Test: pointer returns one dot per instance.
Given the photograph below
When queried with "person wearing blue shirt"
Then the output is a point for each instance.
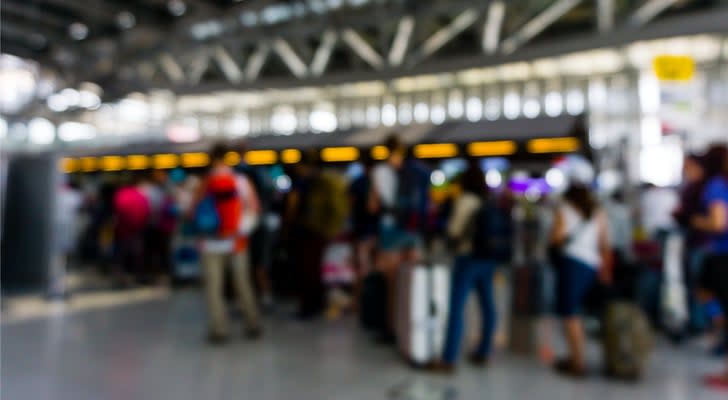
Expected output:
(714, 277)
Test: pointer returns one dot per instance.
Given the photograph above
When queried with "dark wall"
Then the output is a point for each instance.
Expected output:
(25, 247)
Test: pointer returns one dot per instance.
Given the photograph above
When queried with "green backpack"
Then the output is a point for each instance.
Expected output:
(328, 204)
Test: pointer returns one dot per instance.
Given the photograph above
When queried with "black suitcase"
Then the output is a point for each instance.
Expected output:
(373, 303)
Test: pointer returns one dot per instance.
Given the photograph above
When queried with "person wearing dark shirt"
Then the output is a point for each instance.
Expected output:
(364, 223)
(261, 248)
(714, 223)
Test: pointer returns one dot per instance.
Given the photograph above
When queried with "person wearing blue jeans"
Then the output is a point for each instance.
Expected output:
(468, 273)
(470, 269)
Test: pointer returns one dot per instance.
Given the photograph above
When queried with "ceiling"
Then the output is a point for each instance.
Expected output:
(201, 45)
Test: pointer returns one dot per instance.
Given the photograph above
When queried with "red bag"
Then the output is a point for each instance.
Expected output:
(131, 209)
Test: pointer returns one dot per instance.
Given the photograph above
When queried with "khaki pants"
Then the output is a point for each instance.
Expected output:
(214, 269)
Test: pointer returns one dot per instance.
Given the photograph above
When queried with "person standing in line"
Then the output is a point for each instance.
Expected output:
(391, 238)
(691, 193)
(364, 223)
(131, 217)
(714, 223)
(581, 235)
(261, 239)
(153, 259)
(472, 269)
(318, 208)
(219, 217)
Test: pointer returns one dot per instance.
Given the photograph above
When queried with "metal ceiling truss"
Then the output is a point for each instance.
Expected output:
(410, 39)
(381, 39)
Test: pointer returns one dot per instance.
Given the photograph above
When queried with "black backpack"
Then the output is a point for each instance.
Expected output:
(493, 233)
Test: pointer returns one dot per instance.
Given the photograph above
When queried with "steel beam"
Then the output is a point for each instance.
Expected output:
(443, 36)
(256, 61)
(710, 21)
(87, 9)
(401, 41)
(227, 64)
(649, 10)
(538, 24)
(146, 70)
(323, 53)
(290, 58)
(35, 13)
(372, 16)
(493, 26)
(606, 13)
(198, 67)
(171, 68)
(362, 48)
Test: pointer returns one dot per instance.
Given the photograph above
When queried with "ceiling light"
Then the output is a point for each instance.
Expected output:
(72, 131)
(57, 103)
(323, 121)
(389, 115)
(438, 114)
(89, 100)
(177, 7)
(493, 178)
(41, 131)
(78, 31)
(72, 96)
(125, 20)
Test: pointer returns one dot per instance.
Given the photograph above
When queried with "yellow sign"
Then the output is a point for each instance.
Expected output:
(112, 163)
(380, 152)
(137, 162)
(437, 150)
(195, 160)
(339, 154)
(232, 158)
(291, 156)
(674, 68)
(496, 148)
(554, 145)
(261, 157)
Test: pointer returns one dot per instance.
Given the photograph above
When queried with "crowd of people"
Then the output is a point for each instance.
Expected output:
(391, 220)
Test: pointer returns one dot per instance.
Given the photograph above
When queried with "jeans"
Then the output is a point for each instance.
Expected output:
(574, 279)
(467, 273)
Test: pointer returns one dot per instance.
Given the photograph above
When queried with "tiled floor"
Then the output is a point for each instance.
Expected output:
(154, 350)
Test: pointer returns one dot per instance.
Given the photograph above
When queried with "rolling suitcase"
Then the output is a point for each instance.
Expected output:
(627, 340)
(526, 307)
(422, 311)
(674, 315)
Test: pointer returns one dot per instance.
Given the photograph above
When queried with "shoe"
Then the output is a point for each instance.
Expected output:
(478, 360)
(441, 367)
(566, 367)
(717, 381)
(217, 339)
(253, 333)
